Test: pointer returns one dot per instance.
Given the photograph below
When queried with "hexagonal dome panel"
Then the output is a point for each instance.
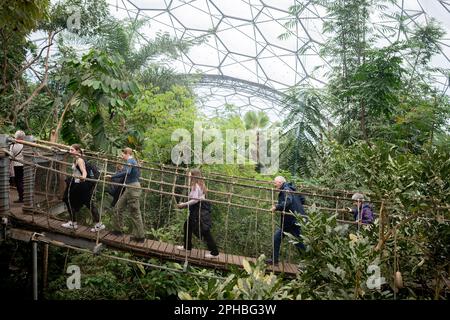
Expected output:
(245, 53)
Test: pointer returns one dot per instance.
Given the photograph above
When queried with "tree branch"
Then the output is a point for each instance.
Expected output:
(39, 55)
(44, 81)
(60, 121)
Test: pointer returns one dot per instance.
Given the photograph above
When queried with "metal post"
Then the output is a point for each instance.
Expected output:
(45, 267)
(35, 271)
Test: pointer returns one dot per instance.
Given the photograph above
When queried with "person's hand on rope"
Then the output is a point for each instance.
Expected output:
(274, 208)
(180, 205)
(75, 176)
(108, 177)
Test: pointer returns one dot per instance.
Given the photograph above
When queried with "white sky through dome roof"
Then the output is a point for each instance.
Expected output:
(243, 44)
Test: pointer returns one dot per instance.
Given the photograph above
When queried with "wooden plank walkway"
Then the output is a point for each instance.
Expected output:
(148, 248)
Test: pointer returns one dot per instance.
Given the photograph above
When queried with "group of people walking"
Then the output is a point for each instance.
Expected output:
(79, 192)
(290, 203)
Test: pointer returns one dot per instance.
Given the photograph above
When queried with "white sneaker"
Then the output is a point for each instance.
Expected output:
(70, 225)
(210, 256)
(181, 248)
(98, 226)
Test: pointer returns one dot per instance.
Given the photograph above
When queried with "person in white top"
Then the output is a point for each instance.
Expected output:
(16, 150)
(199, 221)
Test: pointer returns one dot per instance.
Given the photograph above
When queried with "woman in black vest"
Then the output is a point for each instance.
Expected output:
(199, 221)
(79, 192)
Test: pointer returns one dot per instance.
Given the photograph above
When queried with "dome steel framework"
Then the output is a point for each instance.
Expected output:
(243, 60)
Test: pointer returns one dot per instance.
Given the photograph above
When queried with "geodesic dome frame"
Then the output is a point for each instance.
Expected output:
(243, 61)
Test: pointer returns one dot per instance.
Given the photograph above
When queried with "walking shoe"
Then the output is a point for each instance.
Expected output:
(70, 225)
(136, 239)
(181, 248)
(210, 256)
(270, 261)
(116, 233)
(98, 226)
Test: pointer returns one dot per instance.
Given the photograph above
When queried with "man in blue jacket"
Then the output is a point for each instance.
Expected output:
(288, 204)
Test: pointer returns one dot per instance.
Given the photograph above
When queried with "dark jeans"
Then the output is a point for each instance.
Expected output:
(279, 235)
(205, 234)
(78, 195)
(18, 180)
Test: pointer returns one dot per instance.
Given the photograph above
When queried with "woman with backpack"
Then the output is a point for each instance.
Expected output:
(79, 191)
(199, 221)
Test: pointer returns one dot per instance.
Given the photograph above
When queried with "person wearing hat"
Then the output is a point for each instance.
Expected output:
(362, 211)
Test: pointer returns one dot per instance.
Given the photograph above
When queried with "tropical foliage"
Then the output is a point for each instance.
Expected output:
(377, 126)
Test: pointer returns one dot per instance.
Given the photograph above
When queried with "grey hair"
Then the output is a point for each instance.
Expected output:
(358, 196)
(280, 178)
(19, 134)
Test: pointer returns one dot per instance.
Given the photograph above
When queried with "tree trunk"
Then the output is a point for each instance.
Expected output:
(363, 120)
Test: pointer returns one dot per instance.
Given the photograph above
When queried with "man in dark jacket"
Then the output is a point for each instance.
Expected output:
(288, 204)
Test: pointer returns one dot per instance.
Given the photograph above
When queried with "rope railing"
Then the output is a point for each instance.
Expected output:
(94, 154)
(148, 189)
(301, 189)
(214, 180)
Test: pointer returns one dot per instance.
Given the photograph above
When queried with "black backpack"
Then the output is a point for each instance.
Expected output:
(92, 170)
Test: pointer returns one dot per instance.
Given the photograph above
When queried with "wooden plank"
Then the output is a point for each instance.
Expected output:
(125, 239)
(222, 258)
(239, 260)
(292, 268)
(170, 249)
(55, 225)
(19, 215)
(155, 245)
(194, 254)
(182, 253)
(201, 254)
(148, 244)
(226, 259)
(286, 268)
(162, 248)
(84, 231)
(235, 260)
(119, 239)
(103, 234)
(138, 245)
(39, 220)
(109, 237)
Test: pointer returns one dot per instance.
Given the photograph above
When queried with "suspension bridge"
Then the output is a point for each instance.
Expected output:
(236, 200)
